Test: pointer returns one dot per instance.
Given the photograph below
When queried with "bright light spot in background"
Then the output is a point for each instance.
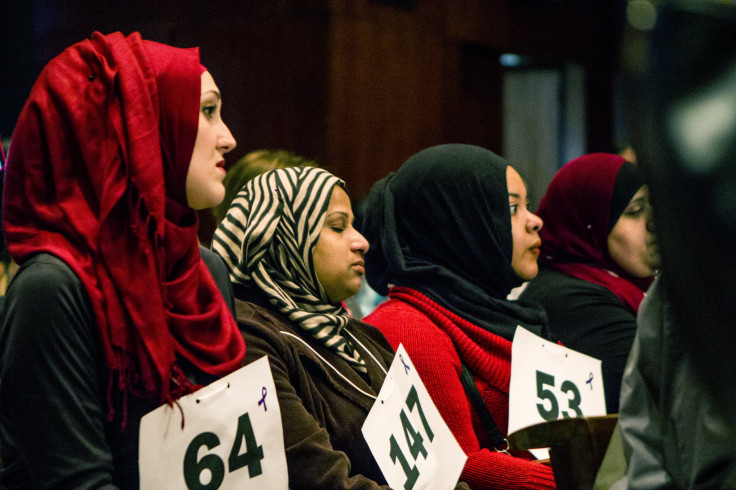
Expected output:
(641, 14)
(701, 126)
(510, 60)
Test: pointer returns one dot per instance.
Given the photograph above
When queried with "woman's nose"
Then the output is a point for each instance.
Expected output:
(650, 221)
(361, 244)
(226, 141)
(535, 222)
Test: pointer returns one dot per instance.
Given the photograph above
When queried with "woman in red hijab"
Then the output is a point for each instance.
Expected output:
(598, 259)
(113, 311)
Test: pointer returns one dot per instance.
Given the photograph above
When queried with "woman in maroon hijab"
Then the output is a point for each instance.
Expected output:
(598, 259)
(113, 310)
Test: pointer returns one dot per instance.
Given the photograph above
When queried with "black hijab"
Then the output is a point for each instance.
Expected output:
(441, 225)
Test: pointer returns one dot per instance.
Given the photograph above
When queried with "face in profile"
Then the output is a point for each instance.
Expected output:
(207, 167)
(338, 254)
(631, 243)
(525, 227)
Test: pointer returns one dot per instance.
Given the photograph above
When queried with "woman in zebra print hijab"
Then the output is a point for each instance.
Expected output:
(270, 232)
(294, 256)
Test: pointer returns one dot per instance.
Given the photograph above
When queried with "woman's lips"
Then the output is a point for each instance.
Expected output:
(359, 267)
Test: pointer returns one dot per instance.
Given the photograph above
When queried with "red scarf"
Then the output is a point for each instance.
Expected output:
(576, 211)
(96, 176)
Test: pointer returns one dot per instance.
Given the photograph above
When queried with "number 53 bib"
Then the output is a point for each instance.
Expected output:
(226, 435)
(550, 382)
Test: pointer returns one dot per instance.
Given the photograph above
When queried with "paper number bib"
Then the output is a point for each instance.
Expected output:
(406, 434)
(550, 382)
(232, 436)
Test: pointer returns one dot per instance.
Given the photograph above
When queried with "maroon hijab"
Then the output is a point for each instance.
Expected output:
(576, 210)
(96, 176)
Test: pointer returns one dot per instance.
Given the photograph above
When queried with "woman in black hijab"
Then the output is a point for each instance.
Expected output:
(450, 236)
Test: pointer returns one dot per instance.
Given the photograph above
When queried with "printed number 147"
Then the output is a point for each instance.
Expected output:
(414, 440)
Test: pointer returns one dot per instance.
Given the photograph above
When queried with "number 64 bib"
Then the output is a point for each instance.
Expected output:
(230, 436)
(550, 382)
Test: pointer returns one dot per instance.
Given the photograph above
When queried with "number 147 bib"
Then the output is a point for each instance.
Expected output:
(406, 433)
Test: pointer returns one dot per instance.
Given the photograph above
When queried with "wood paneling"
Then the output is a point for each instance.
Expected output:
(356, 84)
(387, 92)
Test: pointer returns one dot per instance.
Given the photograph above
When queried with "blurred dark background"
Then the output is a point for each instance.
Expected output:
(361, 85)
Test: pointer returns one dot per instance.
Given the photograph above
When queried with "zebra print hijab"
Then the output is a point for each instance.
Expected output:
(267, 239)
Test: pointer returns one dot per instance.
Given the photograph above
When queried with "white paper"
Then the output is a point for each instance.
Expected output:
(550, 382)
(404, 417)
(232, 433)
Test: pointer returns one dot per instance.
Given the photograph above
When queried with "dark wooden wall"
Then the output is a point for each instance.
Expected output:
(359, 85)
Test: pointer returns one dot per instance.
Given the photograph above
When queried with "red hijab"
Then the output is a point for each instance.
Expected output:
(96, 176)
(576, 210)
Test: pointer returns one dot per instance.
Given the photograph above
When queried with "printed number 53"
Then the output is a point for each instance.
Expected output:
(553, 412)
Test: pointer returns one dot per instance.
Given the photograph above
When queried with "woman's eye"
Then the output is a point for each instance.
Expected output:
(514, 209)
(635, 212)
(209, 110)
(338, 229)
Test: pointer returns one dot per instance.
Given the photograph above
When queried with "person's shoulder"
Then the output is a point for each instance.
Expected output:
(403, 323)
(548, 276)
(367, 331)
(396, 317)
(252, 317)
(247, 310)
(363, 327)
(576, 307)
(43, 275)
(213, 261)
(221, 276)
(553, 285)
(397, 309)
(45, 297)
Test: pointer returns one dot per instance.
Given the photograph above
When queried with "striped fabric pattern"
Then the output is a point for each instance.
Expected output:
(267, 238)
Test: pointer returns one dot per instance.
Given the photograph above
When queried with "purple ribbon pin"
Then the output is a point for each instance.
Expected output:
(263, 399)
(406, 366)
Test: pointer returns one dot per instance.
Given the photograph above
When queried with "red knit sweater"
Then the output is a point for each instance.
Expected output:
(437, 341)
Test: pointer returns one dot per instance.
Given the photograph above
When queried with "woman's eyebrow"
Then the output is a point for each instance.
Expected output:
(215, 92)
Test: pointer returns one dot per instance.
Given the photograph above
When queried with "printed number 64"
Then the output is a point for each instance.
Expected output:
(211, 464)
(553, 412)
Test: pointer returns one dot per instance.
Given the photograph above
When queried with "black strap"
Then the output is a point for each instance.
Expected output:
(497, 439)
